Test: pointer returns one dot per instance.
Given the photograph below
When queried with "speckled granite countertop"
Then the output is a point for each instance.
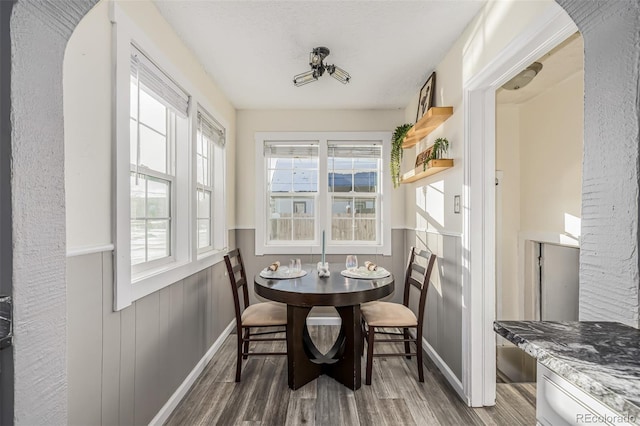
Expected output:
(601, 358)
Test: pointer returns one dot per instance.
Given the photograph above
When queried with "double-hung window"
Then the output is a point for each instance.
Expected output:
(354, 174)
(292, 191)
(210, 140)
(322, 183)
(169, 203)
(158, 119)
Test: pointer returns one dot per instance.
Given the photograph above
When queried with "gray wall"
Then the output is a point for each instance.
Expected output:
(123, 366)
(443, 310)
(6, 356)
(609, 255)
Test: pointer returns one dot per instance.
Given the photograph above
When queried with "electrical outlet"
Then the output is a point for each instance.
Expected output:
(456, 204)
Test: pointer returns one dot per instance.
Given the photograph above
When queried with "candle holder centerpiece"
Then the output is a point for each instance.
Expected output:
(323, 266)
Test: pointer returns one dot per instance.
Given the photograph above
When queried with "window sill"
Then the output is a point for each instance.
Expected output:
(336, 249)
(152, 281)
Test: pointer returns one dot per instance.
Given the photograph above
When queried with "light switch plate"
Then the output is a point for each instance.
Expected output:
(456, 204)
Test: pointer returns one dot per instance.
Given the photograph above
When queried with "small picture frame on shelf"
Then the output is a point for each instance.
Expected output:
(423, 157)
(425, 101)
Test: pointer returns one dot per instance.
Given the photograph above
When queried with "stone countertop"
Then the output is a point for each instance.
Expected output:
(601, 358)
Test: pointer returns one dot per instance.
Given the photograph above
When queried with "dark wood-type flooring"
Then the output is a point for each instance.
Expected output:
(395, 396)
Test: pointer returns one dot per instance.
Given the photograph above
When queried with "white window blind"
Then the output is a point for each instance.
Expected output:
(355, 151)
(211, 129)
(161, 86)
(279, 150)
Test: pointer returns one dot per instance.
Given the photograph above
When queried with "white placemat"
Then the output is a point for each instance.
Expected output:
(281, 274)
(365, 274)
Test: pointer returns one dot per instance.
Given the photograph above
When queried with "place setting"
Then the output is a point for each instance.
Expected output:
(370, 271)
(278, 272)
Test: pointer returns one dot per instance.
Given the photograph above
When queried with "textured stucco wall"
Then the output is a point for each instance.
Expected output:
(39, 33)
(609, 246)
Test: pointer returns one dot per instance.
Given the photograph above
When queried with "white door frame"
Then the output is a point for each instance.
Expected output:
(479, 215)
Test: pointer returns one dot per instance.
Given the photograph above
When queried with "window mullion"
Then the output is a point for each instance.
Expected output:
(323, 203)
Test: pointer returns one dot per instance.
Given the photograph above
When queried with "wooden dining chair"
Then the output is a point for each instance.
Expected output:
(377, 316)
(264, 314)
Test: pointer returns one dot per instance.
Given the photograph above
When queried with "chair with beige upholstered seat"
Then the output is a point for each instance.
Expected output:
(379, 315)
(265, 314)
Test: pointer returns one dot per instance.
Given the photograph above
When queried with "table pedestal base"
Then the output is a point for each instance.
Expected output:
(306, 362)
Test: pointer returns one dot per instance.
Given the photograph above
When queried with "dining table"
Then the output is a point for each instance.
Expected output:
(305, 361)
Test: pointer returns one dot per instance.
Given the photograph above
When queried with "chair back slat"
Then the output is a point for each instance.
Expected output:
(417, 284)
(418, 268)
(421, 282)
(238, 281)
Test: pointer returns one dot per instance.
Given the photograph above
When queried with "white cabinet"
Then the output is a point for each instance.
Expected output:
(560, 403)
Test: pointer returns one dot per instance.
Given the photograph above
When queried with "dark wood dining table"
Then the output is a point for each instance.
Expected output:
(342, 362)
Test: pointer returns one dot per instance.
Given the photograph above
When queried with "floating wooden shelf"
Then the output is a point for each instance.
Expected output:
(428, 123)
(433, 167)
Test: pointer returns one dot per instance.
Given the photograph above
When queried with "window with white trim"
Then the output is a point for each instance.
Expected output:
(158, 118)
(210, 140)
(308, 183)
(169, 171)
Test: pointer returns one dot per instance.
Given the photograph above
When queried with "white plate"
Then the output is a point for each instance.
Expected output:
(365, 274)
(281, 274)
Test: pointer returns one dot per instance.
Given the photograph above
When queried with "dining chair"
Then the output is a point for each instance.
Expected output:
(377, 316)
(263, 314)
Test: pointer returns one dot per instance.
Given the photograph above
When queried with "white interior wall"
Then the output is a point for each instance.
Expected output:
(88, 87)
(551, 146)
(539, 146)
(251, 121)
(508, 160)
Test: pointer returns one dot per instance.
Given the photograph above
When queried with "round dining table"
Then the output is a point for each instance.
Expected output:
(305, 362)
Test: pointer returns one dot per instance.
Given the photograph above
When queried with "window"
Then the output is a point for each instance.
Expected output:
(209, 144)
(354, 183)
(314, 182)
(169, 171)
(158, 118)
(292, 190)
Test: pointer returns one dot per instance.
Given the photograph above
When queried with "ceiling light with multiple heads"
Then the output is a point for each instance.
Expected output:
(524, 77)
(316, 58)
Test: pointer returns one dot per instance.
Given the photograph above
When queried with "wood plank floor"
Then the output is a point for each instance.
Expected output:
(395, 397)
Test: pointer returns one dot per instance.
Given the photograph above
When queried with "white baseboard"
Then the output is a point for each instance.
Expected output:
(182, 390)
(444, 368)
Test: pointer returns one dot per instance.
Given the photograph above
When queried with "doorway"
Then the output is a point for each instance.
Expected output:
(539, 125)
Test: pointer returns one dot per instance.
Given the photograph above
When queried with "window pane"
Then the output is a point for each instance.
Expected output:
(280, 229)
(341, 229)
(138, 248)
(366, 182)
(204, 233)
(280, 180)
(133, 98)
(204, 204)
(158, 239)
(153, 113)
(153, 150)
(158, 198)
(365, 207)
(203, 170)
(303, 229)
(133, 141)
(342, 218)
(137, 197)
(365, 229)
(340, 181)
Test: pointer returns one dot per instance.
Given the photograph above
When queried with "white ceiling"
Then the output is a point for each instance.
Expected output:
(252, 49)
(560, 63)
